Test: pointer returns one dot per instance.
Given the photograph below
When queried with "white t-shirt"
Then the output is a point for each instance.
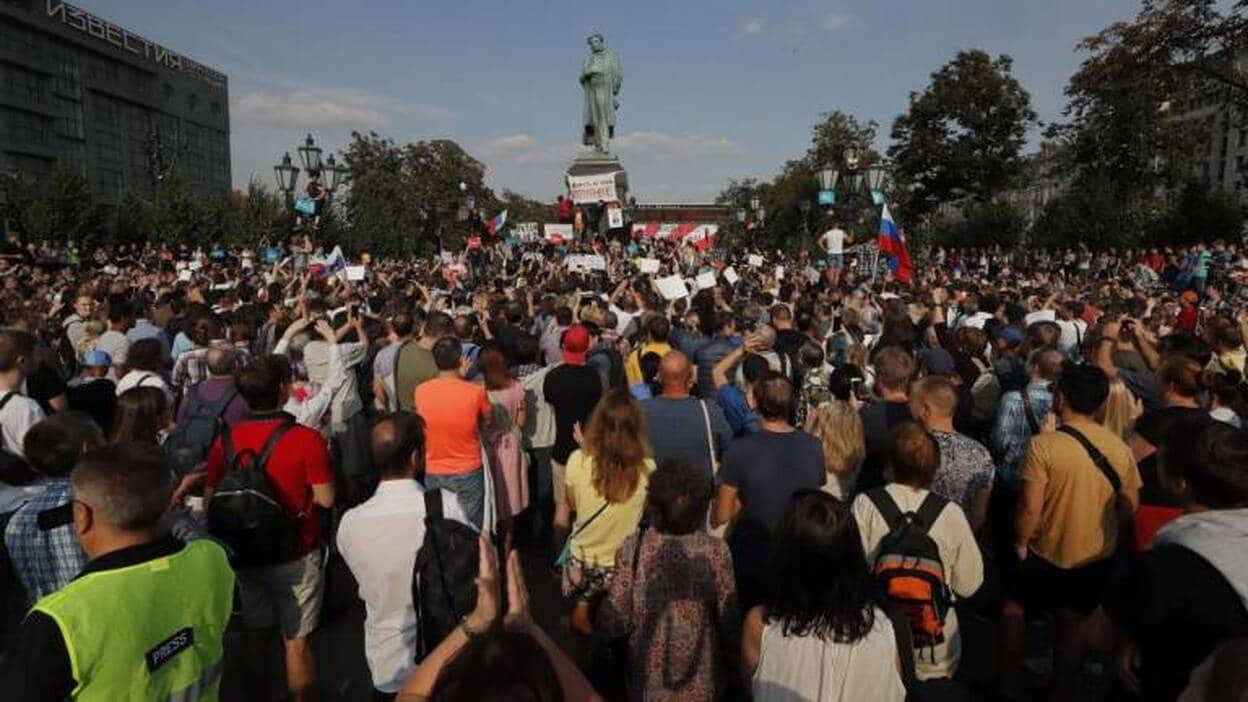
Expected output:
(382, 565)
(833, 241)
(16, 418)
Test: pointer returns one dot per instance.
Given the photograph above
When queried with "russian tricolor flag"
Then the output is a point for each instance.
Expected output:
(892, 243)
(495, 225)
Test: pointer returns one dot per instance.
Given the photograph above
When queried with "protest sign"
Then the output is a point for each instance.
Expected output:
(648, 265)
(730, 275)
(615, 217)
(779, 272)
(706, 280)
(558, 233)
(184, 276)
(592, 188)
(525, 231)
(755, 260)
(672, 287)
(356, 272)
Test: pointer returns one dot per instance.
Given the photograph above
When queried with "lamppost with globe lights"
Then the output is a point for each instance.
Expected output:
(327, 172)
(854, 179)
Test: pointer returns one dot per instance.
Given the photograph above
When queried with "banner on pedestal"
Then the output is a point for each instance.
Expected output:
(558, 233)
(592, 188)
(525, 231)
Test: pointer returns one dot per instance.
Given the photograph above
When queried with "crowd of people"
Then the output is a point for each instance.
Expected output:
(796, 479)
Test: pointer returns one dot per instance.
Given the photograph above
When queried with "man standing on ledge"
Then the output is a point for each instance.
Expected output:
(601, 76)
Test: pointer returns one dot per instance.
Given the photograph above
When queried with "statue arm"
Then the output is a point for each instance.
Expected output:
(619, 76)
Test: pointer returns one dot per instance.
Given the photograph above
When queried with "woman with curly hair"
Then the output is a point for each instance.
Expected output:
(606, 491)
(838, 426)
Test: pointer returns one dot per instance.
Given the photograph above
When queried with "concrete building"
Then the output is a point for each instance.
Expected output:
(1224, 164)
(120, 109)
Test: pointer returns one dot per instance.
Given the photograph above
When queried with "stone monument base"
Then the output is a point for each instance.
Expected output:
(589, 163)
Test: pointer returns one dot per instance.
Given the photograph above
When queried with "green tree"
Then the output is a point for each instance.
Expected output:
(964, 134)
(256, 216)
(837, 131)
(997, 222)
(56, 207)
(403, 198)
(525, 209)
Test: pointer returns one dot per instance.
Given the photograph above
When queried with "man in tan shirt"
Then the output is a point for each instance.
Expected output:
(1068, 522)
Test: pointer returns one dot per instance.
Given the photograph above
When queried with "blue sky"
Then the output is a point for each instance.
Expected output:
(713, 89)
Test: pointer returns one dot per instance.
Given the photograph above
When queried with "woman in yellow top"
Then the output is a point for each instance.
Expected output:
(606, 490)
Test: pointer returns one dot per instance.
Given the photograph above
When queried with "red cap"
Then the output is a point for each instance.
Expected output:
(575, 344)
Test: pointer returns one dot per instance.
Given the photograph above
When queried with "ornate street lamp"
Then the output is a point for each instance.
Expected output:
(286, 173)
(335, 174)
(828, 178)
(755, 203)
(310, 155)
(875, 177)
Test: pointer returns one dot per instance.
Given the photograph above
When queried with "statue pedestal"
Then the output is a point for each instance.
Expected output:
(592, 163)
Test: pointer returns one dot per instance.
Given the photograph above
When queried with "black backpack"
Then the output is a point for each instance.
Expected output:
(188, 444)
(444, 579)
(246, 513)
(909, 569)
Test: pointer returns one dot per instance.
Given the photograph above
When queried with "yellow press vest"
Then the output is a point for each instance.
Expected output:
(150, 631)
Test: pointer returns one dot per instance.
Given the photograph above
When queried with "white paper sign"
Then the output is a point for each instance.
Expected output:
(558, 232)
(583, 263)
(812, 275)
(648, 265)
(672, 287)
(755, 260)
(706, 280)
(195, 265)
(185, 276)
(356, 272)
(779, 272)
(730, 275)
(525, 231)
(615, 217)
(592, 188)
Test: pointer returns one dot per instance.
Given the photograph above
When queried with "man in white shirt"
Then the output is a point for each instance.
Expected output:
(18, 413)
(833, 243)
(114, 341)
(379, 540)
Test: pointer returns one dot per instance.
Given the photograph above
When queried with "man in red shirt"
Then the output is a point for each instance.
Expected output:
(454, 410)
(287, 594)
(563, 209)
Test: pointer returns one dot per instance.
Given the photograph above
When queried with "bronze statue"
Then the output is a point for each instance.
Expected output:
(601, 76)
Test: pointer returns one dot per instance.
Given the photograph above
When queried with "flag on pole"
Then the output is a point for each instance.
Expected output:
(334, 263)
(892, 244)
(495, 225)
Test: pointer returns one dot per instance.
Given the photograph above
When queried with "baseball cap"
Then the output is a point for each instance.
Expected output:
(575, 344)
(1010, 335)
(936, 361)
(1190, 296)
(97, 359)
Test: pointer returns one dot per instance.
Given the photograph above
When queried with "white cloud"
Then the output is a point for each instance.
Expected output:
(750, 26)
(671, 144)
(514, 142)
(304, 109)
(833, 21)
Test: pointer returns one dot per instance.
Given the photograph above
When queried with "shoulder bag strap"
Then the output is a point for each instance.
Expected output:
(887, 507)
(226, 399)
(930, 510)
(1029, 413)
(710, 438)
(227, 446)
(1097, 457)
(589, 521)
(270, 444)
(6, 399)
(433, 504)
